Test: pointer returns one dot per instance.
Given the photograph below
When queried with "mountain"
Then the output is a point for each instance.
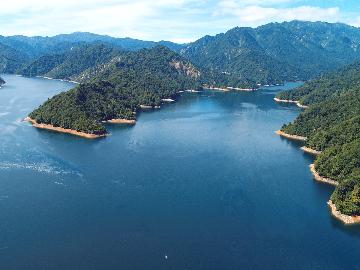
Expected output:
(83, 62)
(277, 51)
(332, 125)
(37, 46)
(71, 63)
(10, 59)
(242, 57)
(118, 89)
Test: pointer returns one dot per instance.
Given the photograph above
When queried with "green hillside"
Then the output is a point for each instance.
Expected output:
(118, 89)
(332, 125)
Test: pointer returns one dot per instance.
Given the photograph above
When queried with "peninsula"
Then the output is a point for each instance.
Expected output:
(135, 81)
(291, 101)
(65, 130)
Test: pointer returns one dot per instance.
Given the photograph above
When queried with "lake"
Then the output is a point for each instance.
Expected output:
(204, 183)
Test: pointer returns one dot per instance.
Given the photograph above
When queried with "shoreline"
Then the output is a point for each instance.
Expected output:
(120, 121)
(310, 150)
(291, 137)
(291, 101)
(147, 107)
(170, 100)
(347, 220)
(228, 88)
(63, 130)
(320, 178)
(62, 80)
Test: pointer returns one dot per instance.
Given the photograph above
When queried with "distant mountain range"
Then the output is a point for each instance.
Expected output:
(278, 51)
(268, 54)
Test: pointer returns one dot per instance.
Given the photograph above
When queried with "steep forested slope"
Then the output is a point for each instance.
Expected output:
(37, 46)
(241, 57)
(277, 51)
(10, 59)
(332, 125)
(119, 89)
(71, 63)
(325, 86)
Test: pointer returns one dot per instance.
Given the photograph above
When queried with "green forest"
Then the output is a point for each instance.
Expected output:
(118, 89)
(332, 125)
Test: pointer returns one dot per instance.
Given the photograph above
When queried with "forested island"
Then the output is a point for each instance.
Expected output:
(332, 127)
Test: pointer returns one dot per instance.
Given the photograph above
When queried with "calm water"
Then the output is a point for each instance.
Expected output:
(205, 182)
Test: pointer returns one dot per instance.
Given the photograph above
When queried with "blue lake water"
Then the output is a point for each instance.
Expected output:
(201, 184)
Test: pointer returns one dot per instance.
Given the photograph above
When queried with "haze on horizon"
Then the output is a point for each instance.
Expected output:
(175, 20)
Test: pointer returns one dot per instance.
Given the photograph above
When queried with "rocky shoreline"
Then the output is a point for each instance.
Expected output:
(121, 121)
(320, 178)
(348, 220)
(64, 130)
(228, 88)
(310, 150)
(291, 101)
(62, 80)
(148, 107)
(290, 136)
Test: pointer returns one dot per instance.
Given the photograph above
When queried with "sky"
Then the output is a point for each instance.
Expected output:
(175, 20)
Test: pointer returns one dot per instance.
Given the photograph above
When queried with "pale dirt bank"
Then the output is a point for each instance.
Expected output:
(168, 100)
(291, 101)
(147, 107)
(292, 137)
(320, 178)
(348, 220)
(64, 130)
(228, 88)
(310, 150)
(121, 121)
(336, 213)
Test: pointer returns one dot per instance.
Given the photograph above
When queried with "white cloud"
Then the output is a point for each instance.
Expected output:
(176, 20)
(256, 15)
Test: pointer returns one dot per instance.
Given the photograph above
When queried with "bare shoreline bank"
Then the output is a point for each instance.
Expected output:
(64, 130)
(347, 220)
(310, 150)
(291, 137)
(62, 80)
(320, 178)
(228, 88)
(291, 101)
(121, 121)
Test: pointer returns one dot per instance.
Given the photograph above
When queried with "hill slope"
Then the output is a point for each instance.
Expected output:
(71, 63)
(121, 87)
(332, 125)
(37, 46)
(10, 59)
(277, 51)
